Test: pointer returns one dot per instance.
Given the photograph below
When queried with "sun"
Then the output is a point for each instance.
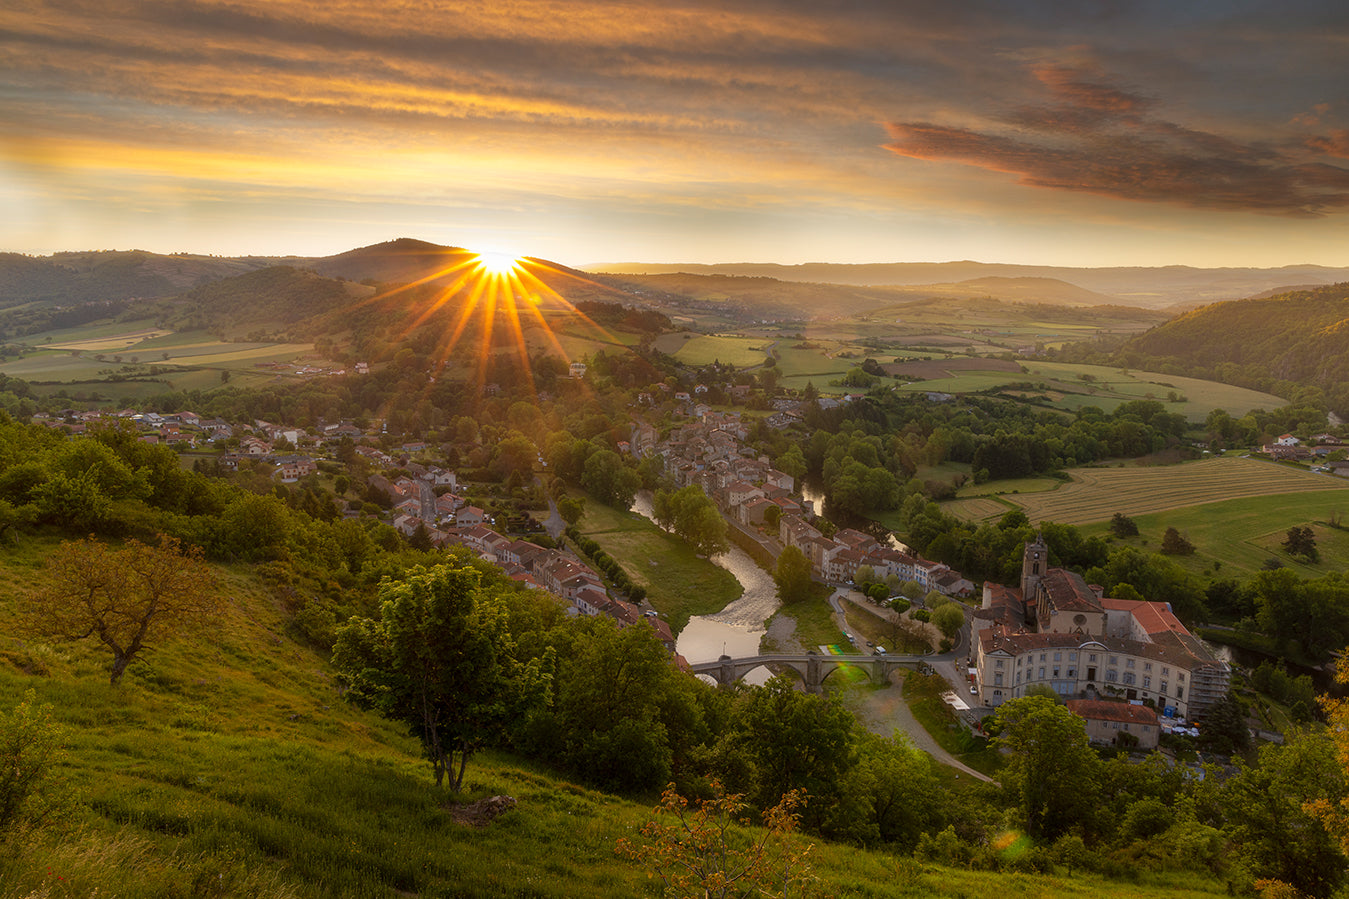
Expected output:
(498, 264)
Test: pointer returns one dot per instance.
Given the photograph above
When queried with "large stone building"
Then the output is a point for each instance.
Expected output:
(1059, 631)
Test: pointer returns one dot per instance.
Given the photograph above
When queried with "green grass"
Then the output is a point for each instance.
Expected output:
(880, 631)
(1095, 494)
(923, 693)
(701, 349)
(814, 619)
(230, 766)
(679, 584)
(1238, 535)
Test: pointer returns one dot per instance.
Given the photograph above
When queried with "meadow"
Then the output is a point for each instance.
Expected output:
(679, 584)
(229, 765)
(1094, 494)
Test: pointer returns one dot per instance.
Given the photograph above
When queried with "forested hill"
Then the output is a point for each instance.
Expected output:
(275, 295)
(1298, 338)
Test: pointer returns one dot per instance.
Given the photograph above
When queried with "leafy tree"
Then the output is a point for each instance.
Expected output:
(129, 599)
(1273, 812)
(30, 752)
(1173, 544)
(1122, 525)
(772, 517)
(610, 481)
(949, 619)
(792, 575)
(571, 509)
(1050, 767)
(707, 853)
(1224, 727)
(795, 741)
(434, 660)
(1301, 542)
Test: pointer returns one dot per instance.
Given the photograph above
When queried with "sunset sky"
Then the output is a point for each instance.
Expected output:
(1101, 132)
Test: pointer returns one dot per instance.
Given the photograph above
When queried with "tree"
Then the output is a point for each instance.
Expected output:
(130, 599)
(949, 619)
(1301, 541)
(571, 509)
(706, 853)
(1050, 767)
(1122, 525)
(435, 660)
(1224, 727)
(1173, 544)
(30, 750)
(792, 576)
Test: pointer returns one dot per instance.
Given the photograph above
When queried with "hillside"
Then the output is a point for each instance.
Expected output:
(275, 295)
(1153, 288)
(71, 278)
(230, 766)
(1300, 337)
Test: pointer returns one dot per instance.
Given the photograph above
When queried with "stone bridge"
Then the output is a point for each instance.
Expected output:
(813, 667)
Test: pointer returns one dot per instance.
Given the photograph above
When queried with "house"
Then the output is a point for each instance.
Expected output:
(469, 516)
(1118, 723)
(1287, 440)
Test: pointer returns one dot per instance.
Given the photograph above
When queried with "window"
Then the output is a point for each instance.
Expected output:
(1147, 666)
(998, 663)
(997, 680)
(1072, 657)
(1147, 682)
(1128, 663)
(1180, 676)
(1180, 692)
(1114, 660)
(1058, 657)
(1042, 674)
(1056, 672)
(1166, 672)
(1042, 657)
(1018, 677)
(1163, 688)
(1129, 678)
(1111, 676)
(1072, 672)
(1092, 657)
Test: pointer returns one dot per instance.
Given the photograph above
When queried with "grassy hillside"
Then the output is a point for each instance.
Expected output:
(1299, 337)
(230, 766)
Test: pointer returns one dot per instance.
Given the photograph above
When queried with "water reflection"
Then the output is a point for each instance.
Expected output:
(736, 629)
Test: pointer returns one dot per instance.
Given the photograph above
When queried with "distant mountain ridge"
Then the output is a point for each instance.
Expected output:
(1153, 288)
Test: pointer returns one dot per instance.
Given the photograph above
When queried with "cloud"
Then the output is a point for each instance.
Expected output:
(1097, 138)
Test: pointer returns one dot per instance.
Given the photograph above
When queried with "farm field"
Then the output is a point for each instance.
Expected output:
(1094, 494)
(1239, 535)
(701, 349)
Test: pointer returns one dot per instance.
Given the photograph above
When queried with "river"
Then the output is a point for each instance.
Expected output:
(813, 491)
(736, 629)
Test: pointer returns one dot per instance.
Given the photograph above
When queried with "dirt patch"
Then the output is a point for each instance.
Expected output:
(781, 634)
(481, 813)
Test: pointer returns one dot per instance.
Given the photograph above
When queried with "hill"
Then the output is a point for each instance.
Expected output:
(275, 295)
(231, 766)
(1153, 288)
(72, 278)
(1299, 338)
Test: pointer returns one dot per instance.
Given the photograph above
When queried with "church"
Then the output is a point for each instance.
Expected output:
(1062, 632)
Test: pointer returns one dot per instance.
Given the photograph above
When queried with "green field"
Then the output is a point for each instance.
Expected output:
(1094, 494)
(703, 349)
(1240, 534)
(679, 584)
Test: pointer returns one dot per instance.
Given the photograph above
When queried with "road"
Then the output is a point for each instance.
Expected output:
(885, 710)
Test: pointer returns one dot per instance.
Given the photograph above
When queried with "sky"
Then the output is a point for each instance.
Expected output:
(1073, 132)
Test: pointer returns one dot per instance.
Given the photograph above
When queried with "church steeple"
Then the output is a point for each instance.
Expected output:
(1034, 563)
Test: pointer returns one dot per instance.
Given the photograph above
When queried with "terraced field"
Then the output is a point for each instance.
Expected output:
(1096, 494)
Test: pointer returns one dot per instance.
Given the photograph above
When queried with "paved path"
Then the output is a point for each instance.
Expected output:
(885, 710)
